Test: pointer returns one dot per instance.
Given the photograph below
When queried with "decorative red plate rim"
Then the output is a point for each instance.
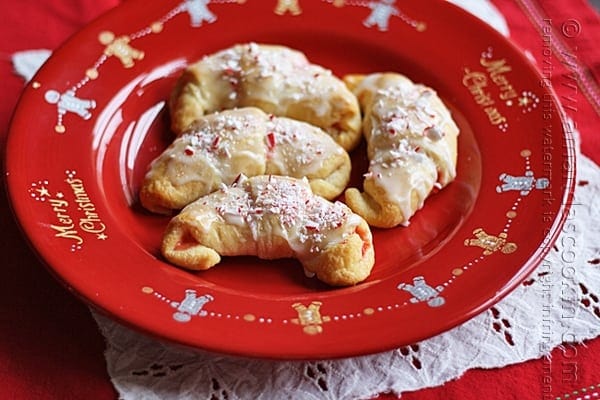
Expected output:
(79, 134)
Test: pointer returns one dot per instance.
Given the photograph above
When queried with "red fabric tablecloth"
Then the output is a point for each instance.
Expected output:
(50, 347)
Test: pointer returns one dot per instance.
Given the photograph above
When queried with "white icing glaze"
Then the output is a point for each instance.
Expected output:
(220, 72)
(250, 74)
(285, 74)
(274, 78)
(211, 153)
(406, 125)
(425, 121)
(223, 145)
(297, 147)
(402, 174)
(285, 207)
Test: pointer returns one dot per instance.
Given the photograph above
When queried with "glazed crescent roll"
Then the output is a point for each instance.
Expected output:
(272, 217)
(221, 146)
(411, 146)
(277, 79)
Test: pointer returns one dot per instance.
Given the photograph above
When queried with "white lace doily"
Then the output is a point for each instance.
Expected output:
(559, 302)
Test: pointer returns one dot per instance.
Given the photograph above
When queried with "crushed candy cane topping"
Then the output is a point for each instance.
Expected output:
(308, 220)
(410, 131)
(229, 142)
(259, 71)
(209, 137)
(412, 113)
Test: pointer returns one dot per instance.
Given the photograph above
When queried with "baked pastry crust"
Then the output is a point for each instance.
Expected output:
(219, 147)
(277, 79)
(411, 146)
(272, 217)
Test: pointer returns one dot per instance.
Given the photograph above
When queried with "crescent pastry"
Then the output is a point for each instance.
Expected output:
(279, 80)
(411, 146)
(272, 217)
(218, 147)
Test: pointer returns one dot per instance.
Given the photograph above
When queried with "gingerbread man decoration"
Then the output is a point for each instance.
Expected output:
(291, 6)
(120, 48)
(381, 12)
(524, 184)
(490, 243)
(422, 292)
(69, 102)
(190, 306)
(199, 12)
(310, 317)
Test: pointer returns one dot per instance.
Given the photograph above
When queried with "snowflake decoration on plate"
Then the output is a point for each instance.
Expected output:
(39, 190)
(528, 101)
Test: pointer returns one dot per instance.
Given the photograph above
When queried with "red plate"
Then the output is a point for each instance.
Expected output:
(94, 116)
